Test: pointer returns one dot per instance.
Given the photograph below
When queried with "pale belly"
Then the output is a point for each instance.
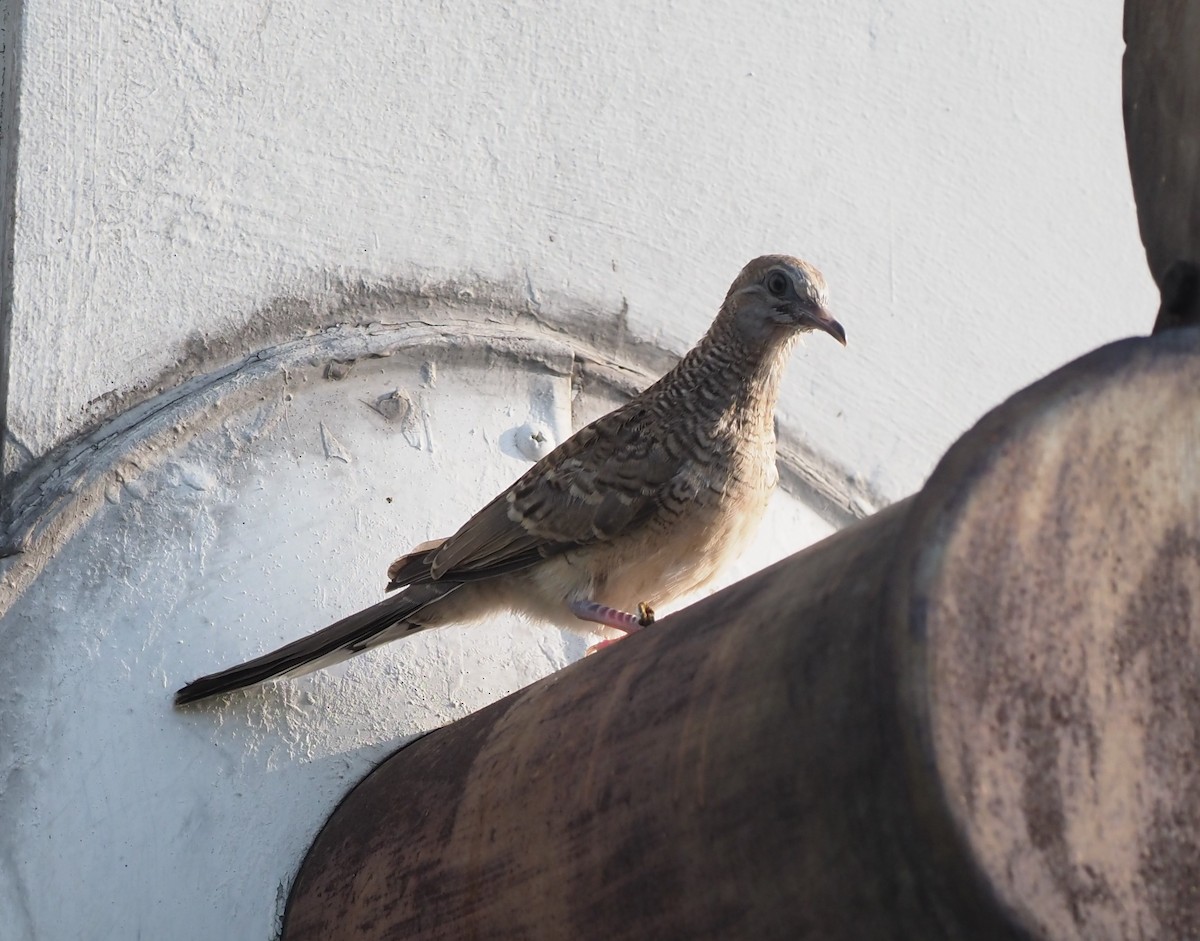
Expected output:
(657, 567)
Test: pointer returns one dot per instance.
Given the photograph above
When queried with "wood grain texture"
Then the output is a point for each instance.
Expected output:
(971, 716)
(1049, 621)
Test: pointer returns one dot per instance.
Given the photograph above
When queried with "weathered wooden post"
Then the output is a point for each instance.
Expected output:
(1161, 78)
(972, 716)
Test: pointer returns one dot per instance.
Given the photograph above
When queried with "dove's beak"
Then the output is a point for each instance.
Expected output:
(820, 319)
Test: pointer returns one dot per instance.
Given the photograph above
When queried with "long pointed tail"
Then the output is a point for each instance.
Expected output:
(343, 639)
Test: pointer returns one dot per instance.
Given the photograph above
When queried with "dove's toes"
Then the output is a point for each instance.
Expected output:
(601, 645)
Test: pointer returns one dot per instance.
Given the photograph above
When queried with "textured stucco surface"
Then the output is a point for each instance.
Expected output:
(957, 171)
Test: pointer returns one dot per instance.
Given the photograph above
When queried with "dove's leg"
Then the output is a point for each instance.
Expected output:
(612, 617)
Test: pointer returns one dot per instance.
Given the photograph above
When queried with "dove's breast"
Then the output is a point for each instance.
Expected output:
(708, 517)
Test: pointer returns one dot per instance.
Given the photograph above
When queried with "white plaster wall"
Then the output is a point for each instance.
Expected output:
(957, 170)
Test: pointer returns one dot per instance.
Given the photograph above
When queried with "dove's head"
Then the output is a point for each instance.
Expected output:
(777, 296)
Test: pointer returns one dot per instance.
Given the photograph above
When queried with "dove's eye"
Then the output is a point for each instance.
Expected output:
(777, 283)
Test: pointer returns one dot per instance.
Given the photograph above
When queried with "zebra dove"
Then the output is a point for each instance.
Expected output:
(640, 507)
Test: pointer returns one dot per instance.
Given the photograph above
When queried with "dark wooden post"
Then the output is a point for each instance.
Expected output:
(1161, 78)
(972, 716)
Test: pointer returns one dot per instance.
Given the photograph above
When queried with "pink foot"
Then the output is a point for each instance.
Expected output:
(601, 645)
(612, 617)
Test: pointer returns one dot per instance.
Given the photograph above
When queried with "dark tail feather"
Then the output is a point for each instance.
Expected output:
(338, 641)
